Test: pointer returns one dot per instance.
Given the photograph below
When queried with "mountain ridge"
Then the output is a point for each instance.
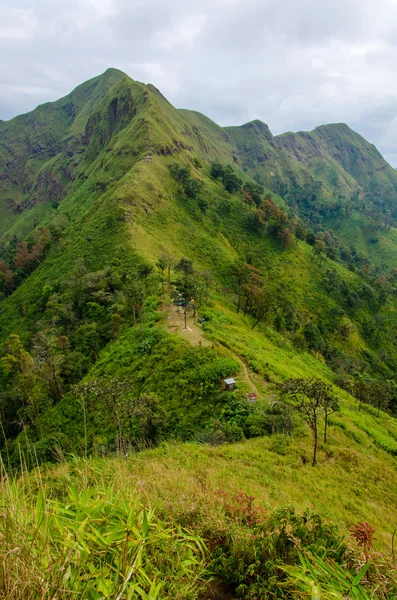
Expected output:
(120, 217)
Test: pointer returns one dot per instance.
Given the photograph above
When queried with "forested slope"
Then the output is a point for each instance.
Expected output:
(121, 217)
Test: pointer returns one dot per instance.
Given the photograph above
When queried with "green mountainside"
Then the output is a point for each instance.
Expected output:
(145, 255)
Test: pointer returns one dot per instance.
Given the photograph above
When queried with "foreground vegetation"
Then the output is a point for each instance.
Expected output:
(238, 521)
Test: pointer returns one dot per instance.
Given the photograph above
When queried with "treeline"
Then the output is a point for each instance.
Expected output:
(45, 391)
(311, 201)
(267, 216)
(19, 258)
(192, 188)
(79, 317)
(262, 298)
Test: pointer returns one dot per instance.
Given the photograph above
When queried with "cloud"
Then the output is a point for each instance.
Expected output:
(294, 65)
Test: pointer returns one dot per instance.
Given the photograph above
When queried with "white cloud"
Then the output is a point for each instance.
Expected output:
(16, 25)
(292, 64)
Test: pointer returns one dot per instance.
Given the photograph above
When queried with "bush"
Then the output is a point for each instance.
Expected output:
(233, 432)
(249, 558)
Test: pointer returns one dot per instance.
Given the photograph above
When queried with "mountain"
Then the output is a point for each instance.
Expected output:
(121, 217)
(339, 160)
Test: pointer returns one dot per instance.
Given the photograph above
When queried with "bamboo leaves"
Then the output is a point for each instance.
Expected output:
(325, 580)
(98, 544)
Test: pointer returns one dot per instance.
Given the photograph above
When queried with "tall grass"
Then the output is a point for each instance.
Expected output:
(92, 543)
(134, 529)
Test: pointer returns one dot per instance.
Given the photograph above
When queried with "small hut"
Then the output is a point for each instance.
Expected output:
(230, 384)
(252, 398)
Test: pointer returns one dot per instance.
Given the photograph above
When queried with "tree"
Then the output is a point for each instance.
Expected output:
(217, 170)
(22, 256)
(251, 288)
(180, 174)
(361, 389)
(331, 405)
(311, 397)
(231, 181)
(241, 272)
(285, 238)
(319, 249)
(187, 285)
(138, 293)
(376, 392)
(48, 360)
(136, 419)
(161, 264)
(116, 321)
(111, 397)
(17, 359)
(185, 266)
(255, 191)
(203, 205)
(381, 394)
(265, 299)
(313, 336)
(192, 188)
(6, 278)
(170, 262)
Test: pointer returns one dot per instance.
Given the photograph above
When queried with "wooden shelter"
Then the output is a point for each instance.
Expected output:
(230, 384)
(252, 398)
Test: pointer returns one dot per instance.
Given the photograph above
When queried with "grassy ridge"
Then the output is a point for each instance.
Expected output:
(120, 209)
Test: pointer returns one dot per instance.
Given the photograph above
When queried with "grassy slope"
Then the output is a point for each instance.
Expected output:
(144, 195)
(133, 166)
(356, 482)
(46, 142)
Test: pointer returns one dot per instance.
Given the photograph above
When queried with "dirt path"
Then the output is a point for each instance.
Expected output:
(175, 322)
(247, 377)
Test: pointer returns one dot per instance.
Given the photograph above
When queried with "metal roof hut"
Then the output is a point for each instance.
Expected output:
(252, 398)
(230, 384)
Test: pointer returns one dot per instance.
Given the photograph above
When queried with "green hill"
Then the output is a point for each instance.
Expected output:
(115, 206)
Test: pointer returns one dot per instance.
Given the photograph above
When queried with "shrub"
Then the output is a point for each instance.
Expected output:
(249, 558)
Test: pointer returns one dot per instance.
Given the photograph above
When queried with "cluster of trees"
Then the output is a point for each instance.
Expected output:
(327, 244)
(312, 203)
(264, 298)
(379, 393)
(79, 317)
(191, 287)
(373, 293)
(19, 258)
(261, 297)
(137, 419)
(231, 181)
(276, 221)
(267, 216)
(192, 188)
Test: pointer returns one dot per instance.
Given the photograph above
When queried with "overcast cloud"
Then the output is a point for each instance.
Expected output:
(294, 64)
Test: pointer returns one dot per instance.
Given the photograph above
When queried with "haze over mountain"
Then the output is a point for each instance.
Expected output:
(146, 255)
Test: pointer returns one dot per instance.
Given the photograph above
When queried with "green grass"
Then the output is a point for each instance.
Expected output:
(87, 528)
(122, 205)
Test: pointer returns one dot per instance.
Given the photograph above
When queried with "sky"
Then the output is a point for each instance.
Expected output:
(293, 64)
